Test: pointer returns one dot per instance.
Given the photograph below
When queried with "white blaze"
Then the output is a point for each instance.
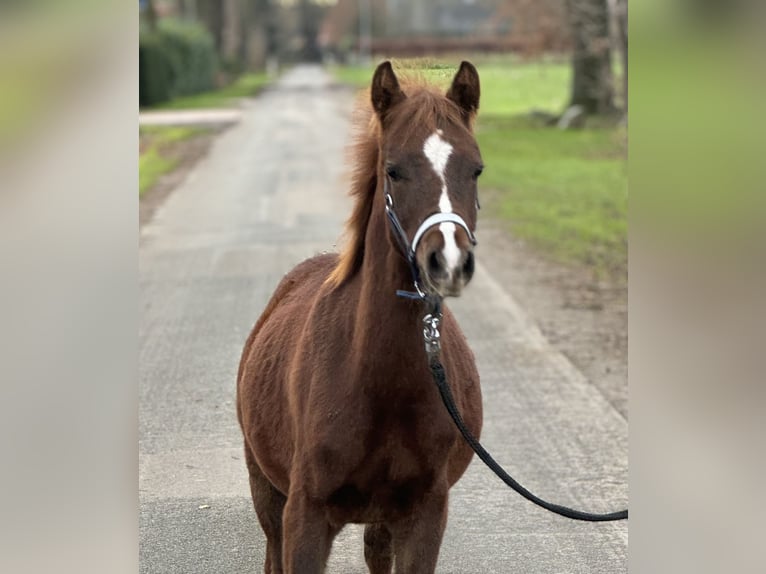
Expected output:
(438, 151)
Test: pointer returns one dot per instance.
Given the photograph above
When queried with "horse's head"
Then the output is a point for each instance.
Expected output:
(429, 163)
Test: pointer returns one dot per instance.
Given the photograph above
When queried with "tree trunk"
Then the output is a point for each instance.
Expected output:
(210, 12)
(231, 33)
(621, 16)
(188, 9)
(257, 46)
(151, 14)
(309, 26)
(592, 82)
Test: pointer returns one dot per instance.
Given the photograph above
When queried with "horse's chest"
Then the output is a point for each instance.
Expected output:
(378, 499)
(396, 461)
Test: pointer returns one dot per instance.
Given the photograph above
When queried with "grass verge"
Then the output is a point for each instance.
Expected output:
(157, 155)
(565, 192)
(247, 85)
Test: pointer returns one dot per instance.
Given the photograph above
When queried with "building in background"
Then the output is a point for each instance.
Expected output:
(420, 27)
(248, 33)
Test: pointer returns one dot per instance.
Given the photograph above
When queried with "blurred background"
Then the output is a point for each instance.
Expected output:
(225, 38)
(552, 123)
(72, 73)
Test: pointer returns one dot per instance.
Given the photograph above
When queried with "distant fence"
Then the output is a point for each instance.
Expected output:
(528, 45)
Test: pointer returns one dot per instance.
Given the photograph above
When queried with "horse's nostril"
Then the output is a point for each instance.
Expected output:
(468, 265)
(434, 265)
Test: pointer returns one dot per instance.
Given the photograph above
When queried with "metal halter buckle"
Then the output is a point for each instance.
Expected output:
(431, 334)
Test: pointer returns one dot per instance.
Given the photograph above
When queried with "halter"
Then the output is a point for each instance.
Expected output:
(409, 249)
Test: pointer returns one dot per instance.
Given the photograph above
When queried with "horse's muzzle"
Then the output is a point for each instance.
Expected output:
(442, 277)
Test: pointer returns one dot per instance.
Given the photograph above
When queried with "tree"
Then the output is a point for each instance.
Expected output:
(151, 14)
(244, 30)
(210, 12)
(258, 33)
(621, 21)
(187, 9)
(592, 82)
(310, 17)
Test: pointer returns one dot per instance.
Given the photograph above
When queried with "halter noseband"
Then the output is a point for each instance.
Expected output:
(409, 249)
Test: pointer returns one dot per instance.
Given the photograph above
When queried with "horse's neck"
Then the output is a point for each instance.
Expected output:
(383, 317)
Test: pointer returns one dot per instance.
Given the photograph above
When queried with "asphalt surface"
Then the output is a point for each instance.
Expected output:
(272, 192)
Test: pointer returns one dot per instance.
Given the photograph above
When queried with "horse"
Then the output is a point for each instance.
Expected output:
(340, 418)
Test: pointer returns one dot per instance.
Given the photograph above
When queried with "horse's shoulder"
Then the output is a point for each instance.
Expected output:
(305, 278)
(307, 271)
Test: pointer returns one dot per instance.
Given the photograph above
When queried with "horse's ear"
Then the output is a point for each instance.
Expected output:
(464, 90)
(385, 91)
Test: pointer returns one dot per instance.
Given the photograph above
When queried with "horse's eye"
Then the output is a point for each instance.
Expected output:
(393, 173)
(478, 171)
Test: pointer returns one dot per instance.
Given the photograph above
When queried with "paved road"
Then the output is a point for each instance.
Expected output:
(270, 193)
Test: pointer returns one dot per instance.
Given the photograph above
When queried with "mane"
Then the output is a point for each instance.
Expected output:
(424, 106)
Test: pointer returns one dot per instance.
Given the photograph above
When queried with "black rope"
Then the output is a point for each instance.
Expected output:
(437, 370)
(431, 335)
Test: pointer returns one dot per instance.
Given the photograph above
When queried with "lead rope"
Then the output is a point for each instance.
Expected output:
(432, 340)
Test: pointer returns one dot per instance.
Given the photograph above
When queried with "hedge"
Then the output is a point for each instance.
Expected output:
(176, 59)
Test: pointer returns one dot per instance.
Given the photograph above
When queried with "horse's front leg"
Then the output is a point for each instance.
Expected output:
(418, 538)
(307, 535)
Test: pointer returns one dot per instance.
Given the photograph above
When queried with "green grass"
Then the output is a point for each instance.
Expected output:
(432, 70)
(157, 158)
(245, 86)
(563, 191)
(358, 76)
(151, 165)
(508, 90)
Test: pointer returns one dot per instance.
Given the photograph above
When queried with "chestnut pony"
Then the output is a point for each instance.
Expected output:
(341, 419)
